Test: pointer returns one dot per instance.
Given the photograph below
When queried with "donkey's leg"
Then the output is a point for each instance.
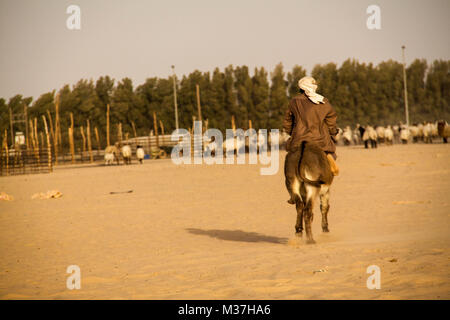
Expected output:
(307, 216)
(291, 179)
(311, 194)
(300, 206)
(324, 206)
(299, 224)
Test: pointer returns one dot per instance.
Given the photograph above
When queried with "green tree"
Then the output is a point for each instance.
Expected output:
(416, 90)
(293, 77)
(243, 85)
(230, 95)
(278, 98)
(438, 89)
(260, 97)
(218, 116)
(125, 108)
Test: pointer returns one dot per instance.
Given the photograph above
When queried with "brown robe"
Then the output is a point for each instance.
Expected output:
(307, 121)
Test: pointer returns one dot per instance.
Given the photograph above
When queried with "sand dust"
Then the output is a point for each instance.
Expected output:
(226, 232)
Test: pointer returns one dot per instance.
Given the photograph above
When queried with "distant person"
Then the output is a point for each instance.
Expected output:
(361, 130)
(310, 118)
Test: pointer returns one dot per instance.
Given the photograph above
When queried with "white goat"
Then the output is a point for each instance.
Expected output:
(111, 154)
(427, 133)
(415, 133)
(380, 133)
(389, 135)
(140, 154)
(126, 154)
(347, 135)
(233, 144)
(405, 134)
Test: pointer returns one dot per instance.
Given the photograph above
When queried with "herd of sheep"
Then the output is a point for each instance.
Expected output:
(114, 153)
(368, 136)
(372, 135)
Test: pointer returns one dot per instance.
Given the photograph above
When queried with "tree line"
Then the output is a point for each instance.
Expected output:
(360, 93)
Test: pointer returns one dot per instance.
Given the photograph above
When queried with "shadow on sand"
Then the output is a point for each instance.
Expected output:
(237, 235)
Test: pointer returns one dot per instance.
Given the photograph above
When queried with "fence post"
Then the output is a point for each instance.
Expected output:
(107, 126)
(52, 130)
(162, 128)
(88, 133)
(49, 148)
(5, 143)
(155, 126)
(119, 133)
(57, 128)
(71, 141)
(36, 136)
(134, 129)
(98, 141)
(84, 142)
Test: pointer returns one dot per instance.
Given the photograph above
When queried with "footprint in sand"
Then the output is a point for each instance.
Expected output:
(411, 202)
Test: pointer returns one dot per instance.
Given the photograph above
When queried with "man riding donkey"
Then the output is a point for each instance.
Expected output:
(309, 118)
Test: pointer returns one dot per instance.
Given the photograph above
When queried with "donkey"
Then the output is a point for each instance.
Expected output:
(312, 178)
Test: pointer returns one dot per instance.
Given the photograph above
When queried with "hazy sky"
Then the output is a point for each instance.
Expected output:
(141, 39)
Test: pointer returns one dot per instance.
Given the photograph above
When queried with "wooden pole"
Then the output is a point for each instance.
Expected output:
(84, 142)
(42, 138)
(162, 127)
(71, 120)
(27, 138)
(88, 133)
(5, 141)
(134, 129)
(56, 132)
(34, 139)
(155, 127)
(249, 124)
(57, 124)
(233, 123)
(36, 136)
(119, 133)
(150, 141)
(11, 126)
(199, 107)
(32, 134)
(72, 146)
(98, 140)
(192, 136)
(71, 140)
(49, 149)
(107, 125)
(1, 155)
(52, 130)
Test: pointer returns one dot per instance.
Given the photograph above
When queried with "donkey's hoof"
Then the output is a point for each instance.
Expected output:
(310, 241)
(291, 201)
(325, 229)
(299, 234)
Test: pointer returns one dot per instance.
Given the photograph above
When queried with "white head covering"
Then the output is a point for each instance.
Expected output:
(308, 84)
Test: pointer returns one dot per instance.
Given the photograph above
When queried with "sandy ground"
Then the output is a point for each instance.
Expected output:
(226, 232)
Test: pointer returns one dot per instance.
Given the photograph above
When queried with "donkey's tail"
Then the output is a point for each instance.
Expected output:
(301, 165)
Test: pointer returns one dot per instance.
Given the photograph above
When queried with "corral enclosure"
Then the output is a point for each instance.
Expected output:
(226, 232)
